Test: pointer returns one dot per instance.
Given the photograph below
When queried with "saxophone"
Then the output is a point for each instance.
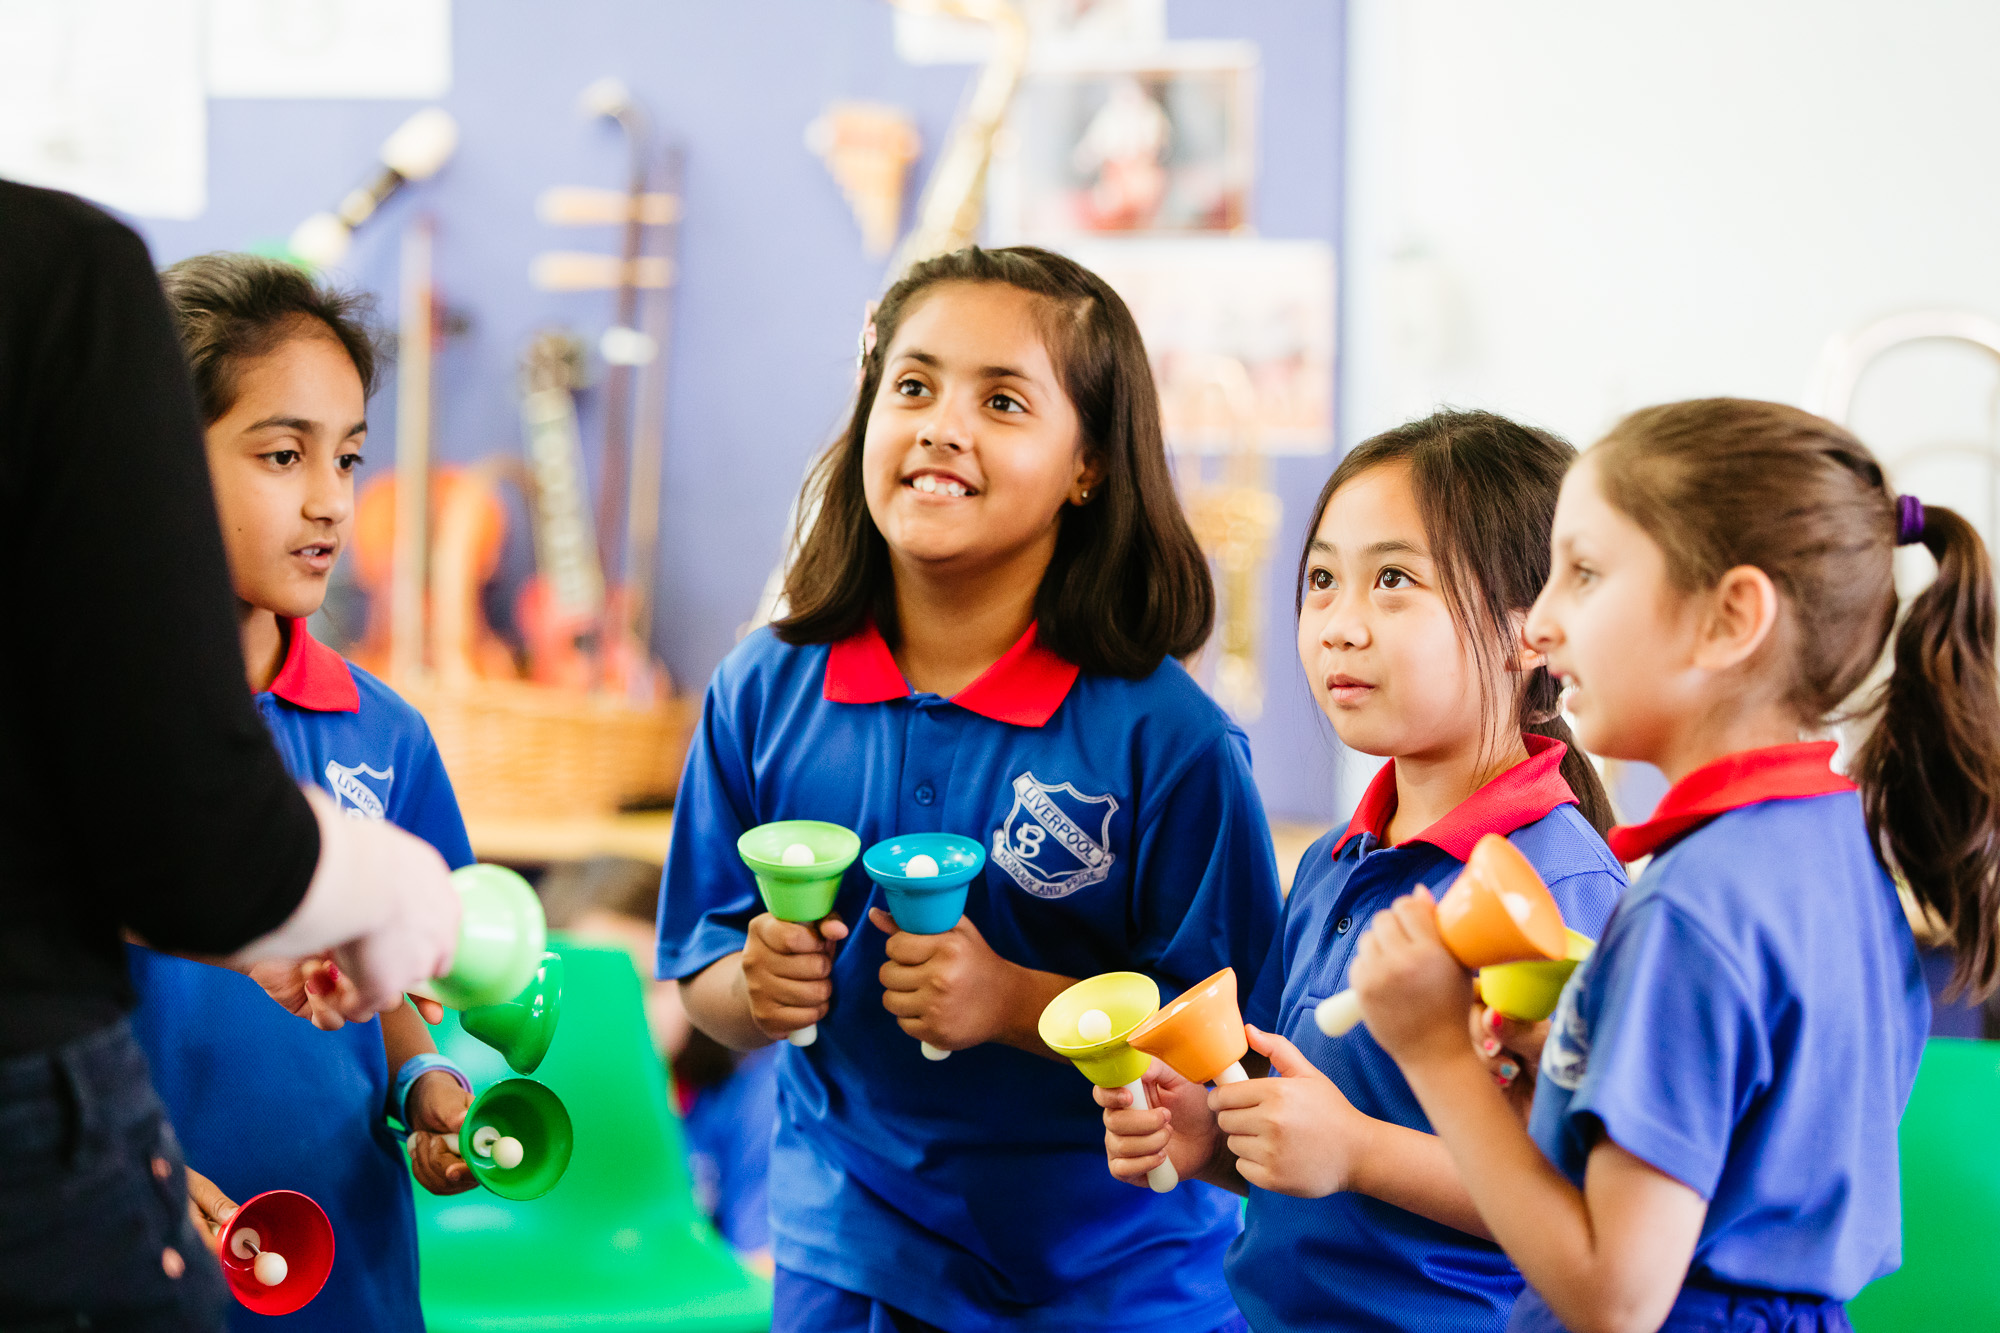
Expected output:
(954, 197)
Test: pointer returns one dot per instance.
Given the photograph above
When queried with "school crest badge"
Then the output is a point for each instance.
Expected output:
(1054, 840)
(1566, 1055)
(355, 796)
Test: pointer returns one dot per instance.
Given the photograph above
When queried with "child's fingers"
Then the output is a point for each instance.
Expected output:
(903, 1003)
(786, 937)
(1137, 1121)
(211, 1205)
(813, 966)
(912, 950)
(882, 921)
(900, 977)
(1111, 1099)
(781, 993)
(430, 1010)
(1286, 1059)
(832, 928)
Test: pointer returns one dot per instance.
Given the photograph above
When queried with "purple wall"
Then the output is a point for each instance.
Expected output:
(773, 275)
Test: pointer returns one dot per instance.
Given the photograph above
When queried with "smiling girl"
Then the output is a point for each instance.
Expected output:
(1714, 1127)
(982, 634)
(261, 1099)
(1426, 547)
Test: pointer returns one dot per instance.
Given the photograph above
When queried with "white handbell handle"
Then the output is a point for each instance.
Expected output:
(1162, 1177)
(932, 1052)
(1233, 1074)
(805, 1036)
(1337, 1014)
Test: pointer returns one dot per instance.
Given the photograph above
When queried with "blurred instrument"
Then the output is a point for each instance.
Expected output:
(409, 572)
(622, 346)
(868, 148)
(560, 607)
(468, 525)
(954, 198)
(418, 148)
(1235, 519)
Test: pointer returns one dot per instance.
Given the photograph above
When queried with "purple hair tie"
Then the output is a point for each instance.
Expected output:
(1909, 520)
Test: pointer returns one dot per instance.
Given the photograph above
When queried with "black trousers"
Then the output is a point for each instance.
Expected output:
(85, 1218)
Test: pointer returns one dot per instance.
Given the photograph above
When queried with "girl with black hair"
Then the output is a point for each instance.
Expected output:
(982, 635)
(1425, 550)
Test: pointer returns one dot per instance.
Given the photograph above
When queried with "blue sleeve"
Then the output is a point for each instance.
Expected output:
(1586, 899)
(707, 895)
(426, 805)
(1205, 886)
(1673, 1049)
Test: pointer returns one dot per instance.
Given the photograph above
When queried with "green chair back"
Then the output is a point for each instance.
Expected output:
(618, 1245)
(1950, 1278)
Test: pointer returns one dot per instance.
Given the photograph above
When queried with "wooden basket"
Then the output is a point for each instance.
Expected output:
(519, 750)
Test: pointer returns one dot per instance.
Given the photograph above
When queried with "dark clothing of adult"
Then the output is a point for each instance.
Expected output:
(138, 787)
(85, 1218)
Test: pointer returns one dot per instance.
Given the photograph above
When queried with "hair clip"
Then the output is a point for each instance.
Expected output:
(1910, 522)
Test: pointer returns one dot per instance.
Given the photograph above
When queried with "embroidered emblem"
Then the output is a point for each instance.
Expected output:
(353, 795)
(1045, 843)
(1566, 1054)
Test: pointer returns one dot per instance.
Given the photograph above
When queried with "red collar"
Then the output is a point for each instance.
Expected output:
(1025, 687)
(1523, 794)
(1775, 773)
(314, 676)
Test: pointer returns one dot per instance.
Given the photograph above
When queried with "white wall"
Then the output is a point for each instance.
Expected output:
(1565, 210)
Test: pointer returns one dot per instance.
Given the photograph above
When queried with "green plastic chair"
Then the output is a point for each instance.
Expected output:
(1950, 1278)
(618, 1245)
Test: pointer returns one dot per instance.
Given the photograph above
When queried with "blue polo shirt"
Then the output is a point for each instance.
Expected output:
(1349, 1261)
(1124, 832)
(1750, 1025)
(263, 1100)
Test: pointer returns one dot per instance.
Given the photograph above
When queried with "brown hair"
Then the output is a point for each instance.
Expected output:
(229, 306)
(1486, 488)
(1127, 586)
(1723, 482)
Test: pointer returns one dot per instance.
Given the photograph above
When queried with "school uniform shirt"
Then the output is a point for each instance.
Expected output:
(263, 1100)
(728, 1131)
(1349, 1261)
(1750, 1025)
(1123, 832)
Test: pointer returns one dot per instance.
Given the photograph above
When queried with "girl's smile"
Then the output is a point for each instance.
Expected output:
(973, 446)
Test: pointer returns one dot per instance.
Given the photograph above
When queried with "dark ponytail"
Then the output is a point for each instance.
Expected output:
(1930, 770)
(1722, 482)
(1486, 489)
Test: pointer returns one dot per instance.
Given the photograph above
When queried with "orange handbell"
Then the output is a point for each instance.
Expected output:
(1497, 911)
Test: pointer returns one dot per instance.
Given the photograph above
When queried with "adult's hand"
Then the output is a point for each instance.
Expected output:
(381, 902)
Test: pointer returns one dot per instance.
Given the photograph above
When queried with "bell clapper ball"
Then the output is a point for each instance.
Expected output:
(921, 867)
(1093, 1025)
(268, 1266)
(505, 1150)
(798, 854)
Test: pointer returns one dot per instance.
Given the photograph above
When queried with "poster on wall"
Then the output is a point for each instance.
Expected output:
(329, 48)
(1057, 30)
(103, 98)
(1163, 144)
(1228, 320)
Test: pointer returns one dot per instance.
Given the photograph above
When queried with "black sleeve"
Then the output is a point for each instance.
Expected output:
(132, 742)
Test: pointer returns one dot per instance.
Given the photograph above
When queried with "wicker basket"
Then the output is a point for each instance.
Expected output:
(524, 751)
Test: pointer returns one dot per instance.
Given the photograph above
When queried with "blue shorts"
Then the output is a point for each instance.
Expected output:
(801, 1304)
(1713, 1310)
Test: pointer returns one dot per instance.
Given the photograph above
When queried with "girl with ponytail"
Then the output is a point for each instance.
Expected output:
(1712, 1143)
(1424, 553)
